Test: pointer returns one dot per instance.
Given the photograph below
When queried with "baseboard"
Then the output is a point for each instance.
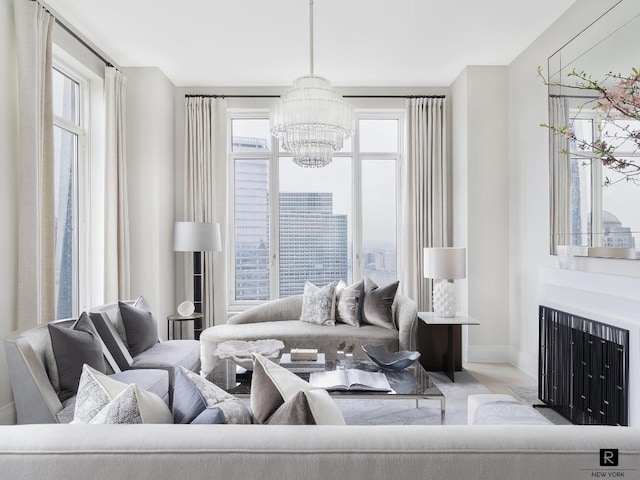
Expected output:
(489, 353)
(8, 414)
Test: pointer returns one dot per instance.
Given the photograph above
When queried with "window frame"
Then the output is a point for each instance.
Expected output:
(81, 183)
(273, 156)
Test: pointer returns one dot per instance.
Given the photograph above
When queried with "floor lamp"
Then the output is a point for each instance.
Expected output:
(197, 237)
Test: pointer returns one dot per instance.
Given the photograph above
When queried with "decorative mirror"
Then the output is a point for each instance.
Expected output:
(594, 123)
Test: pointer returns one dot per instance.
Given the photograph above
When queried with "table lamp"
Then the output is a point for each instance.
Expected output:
(444, 264)
(197, 237)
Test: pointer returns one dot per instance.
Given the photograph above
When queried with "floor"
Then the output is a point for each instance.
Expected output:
(498, 376)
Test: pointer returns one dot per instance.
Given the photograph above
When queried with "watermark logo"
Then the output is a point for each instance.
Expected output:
(608, 457)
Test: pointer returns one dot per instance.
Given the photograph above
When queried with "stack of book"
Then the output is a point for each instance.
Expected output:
(302, 366)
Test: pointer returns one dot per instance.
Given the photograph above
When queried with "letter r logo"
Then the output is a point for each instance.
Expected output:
(608, 457)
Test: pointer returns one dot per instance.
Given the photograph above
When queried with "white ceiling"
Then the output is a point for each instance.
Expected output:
(266, 43)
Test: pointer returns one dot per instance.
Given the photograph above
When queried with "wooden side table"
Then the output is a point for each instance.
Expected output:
(431, 318)
(196, 318)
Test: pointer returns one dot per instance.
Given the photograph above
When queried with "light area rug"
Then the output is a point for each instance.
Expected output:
(404, 412)
(529, 394)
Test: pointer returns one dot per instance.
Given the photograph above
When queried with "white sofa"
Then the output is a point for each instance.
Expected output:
(279, 319)
(240, 452)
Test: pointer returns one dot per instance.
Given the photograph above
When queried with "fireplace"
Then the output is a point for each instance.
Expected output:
(583, 368)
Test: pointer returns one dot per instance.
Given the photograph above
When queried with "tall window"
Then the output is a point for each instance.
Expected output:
(292, 224)
(69, 134)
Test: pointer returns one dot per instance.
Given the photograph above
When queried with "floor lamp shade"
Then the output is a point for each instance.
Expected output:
(197, 237)
(444, 264)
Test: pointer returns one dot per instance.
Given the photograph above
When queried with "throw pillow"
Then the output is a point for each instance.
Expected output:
(318, 304)
(99, 400)
(72, 348)
(377, 306)
(280, 396)
(349, 303)
(140, 326)
(194, 395)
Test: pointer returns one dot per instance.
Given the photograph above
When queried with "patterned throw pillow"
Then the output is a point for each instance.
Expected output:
(103, 400)
(318, 304)
(197, 400)
(377, 307)
(279, 396)
(349, 303)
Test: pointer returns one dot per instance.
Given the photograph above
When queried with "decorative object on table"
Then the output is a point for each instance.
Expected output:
(350, 380)
(304, 354)
(303, 366)
(444, 264)
(197, 237)
(311, 119)
(186, 308)
(241, 351)
(387, 360)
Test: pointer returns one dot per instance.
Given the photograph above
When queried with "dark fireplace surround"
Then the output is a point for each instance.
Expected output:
(583, 368)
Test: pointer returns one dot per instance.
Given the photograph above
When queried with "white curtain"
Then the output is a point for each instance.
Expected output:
(205, 190)
(560, 173)
(425, 194)
(36, 217)
(116, 248)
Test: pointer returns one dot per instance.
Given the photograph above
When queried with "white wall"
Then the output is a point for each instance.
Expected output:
(8, 197)
(529, 183)
(480, 205)
(151, 171)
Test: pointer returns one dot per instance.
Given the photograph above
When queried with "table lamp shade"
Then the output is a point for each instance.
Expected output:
(445, 263)
(196, 237)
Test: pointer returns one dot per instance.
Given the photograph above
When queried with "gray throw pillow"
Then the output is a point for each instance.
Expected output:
(349, 303)
(72, 348)
(377, 306)
(193, 395)
(318, 304)
(141, 327)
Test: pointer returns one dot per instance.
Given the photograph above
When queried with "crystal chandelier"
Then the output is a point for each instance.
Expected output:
(311, 119)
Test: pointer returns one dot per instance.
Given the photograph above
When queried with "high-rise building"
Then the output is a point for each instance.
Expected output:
(313, 241)
(251, 197)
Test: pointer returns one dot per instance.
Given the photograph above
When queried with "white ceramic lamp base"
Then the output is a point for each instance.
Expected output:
(444, 299)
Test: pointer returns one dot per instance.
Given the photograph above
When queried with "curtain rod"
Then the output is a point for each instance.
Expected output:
(84, 44)
(190, 95)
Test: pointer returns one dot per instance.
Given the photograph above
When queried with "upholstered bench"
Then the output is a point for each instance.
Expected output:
(500, 409)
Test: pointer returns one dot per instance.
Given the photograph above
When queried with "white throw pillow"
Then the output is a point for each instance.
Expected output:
(102, 399)
(318, 304)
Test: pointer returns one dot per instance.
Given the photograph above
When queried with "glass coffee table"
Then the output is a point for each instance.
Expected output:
(413, 383)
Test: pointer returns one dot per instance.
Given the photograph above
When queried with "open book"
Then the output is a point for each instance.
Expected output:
(350, 379)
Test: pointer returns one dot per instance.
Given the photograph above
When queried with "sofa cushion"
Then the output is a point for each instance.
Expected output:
(282, 395)
(318, 304)
(193, 394)
(173, 353)
(377, 306)
(74, 347)
(349, 303)
(99, 401)
(141, 327)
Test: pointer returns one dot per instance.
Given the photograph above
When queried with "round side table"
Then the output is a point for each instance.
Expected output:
(174, 318)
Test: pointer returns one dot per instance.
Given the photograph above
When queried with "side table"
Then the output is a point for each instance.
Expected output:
(431, 318)
(196, 318)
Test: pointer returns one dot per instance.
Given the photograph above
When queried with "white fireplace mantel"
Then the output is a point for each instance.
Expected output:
(610, 299)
